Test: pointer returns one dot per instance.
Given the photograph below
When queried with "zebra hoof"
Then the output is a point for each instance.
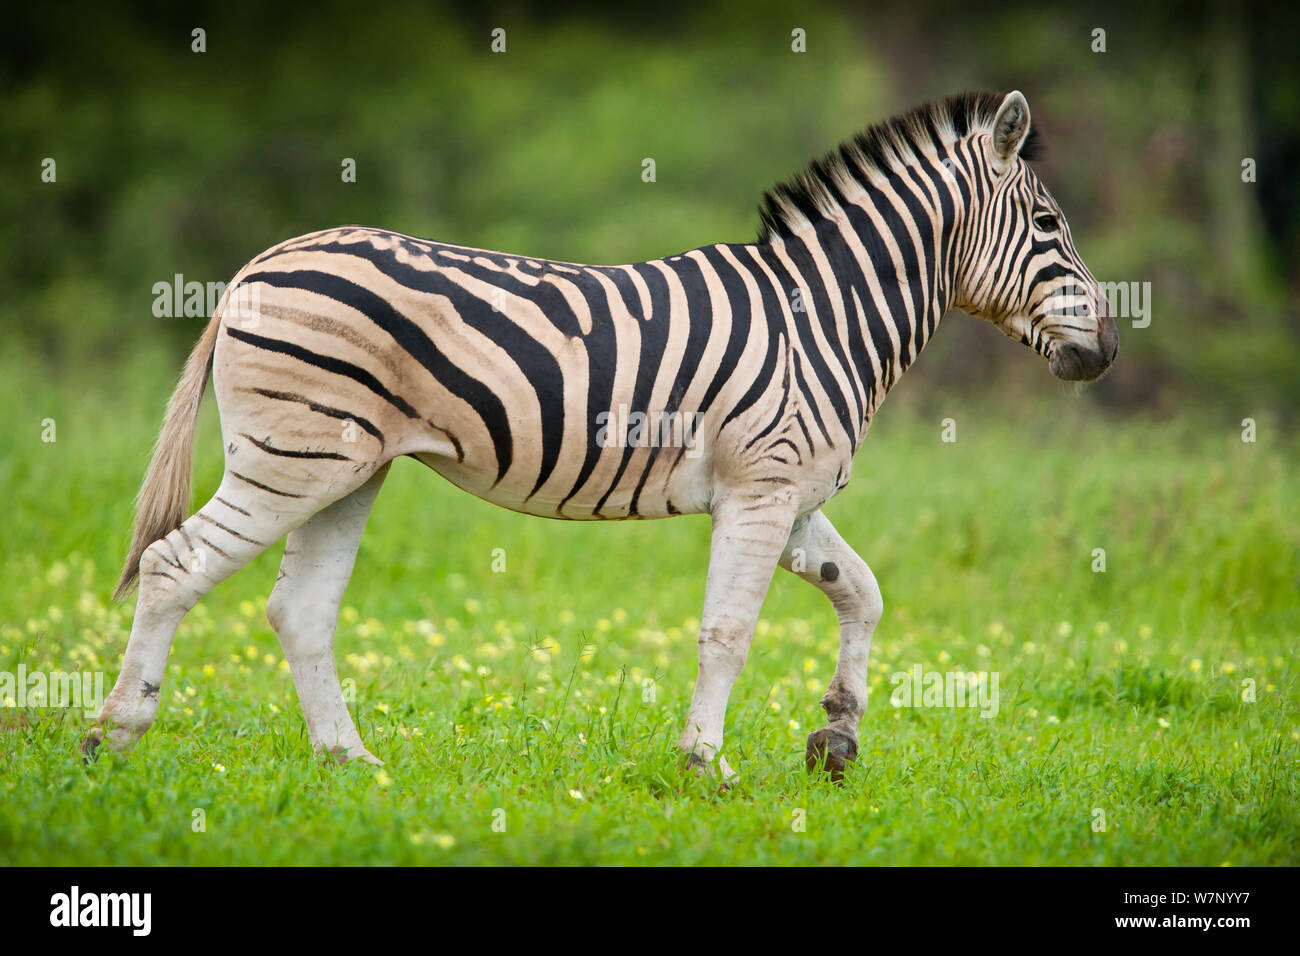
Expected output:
(90, 746)
(830, 751)
(726, 777)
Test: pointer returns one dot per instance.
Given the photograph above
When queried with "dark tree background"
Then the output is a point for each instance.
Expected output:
(174, 161)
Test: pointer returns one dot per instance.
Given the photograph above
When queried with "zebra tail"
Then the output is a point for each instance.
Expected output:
(164, 498)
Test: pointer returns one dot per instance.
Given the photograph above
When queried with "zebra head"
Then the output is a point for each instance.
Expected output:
(1020, 269)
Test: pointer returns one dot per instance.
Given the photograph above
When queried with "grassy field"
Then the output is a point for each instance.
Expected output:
(546, 699)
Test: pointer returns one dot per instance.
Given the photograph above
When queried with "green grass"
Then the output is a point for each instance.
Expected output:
(525, 691)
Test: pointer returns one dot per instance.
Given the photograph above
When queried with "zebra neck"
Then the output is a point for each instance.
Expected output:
(876, 278)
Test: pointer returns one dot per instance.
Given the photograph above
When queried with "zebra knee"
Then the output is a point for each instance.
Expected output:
(277, 609)
(294, 617)
(872, 601)
(724, 648)
(283, 611)
(855, 593)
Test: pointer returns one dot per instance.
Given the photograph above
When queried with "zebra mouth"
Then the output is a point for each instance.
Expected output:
(1073, 364)
(1085, 363)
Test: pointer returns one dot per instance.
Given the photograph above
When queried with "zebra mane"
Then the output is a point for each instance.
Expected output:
(811, 194)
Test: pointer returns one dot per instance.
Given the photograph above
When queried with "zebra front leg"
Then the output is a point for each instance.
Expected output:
(303, 609)
(748, 534)
(820, 556)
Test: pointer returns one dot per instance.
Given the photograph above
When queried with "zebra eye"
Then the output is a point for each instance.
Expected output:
(1046, 221)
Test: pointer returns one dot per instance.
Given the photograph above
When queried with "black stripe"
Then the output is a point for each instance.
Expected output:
(539, 367)
(741, 317)
(699, 326)
(785, 441)
(455, 442)
(231, 507)
(811, 403)
(808, 346)
(913, 265)
(326, 362)
(626, 289)
(859, 313)
(887, 277)
(780, 412)
(262, 487)
(653, 353)
(286, 453)
(230, 531)
(894, 284)
(738, 295)
(418, 345)
(803, 427)
(601, 354)
(317, 407)
(175, 560)
(213, 547)
(824, 313)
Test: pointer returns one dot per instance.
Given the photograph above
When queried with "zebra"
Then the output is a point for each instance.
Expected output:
(364, 345)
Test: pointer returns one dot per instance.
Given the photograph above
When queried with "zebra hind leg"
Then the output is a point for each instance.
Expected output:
(303, 609)
(816, 553)
(240, 521)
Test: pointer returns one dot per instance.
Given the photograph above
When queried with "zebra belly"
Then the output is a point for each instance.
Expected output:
(685, 493)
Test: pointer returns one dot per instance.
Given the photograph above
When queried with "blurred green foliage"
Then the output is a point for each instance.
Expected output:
(1122, 687)
(171, 161)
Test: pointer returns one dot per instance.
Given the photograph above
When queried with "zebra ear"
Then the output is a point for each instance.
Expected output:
(1010, 130)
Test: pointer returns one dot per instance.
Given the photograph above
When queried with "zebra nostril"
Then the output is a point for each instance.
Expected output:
(1108, 336)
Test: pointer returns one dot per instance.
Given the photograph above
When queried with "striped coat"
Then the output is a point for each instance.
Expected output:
(736, 380)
